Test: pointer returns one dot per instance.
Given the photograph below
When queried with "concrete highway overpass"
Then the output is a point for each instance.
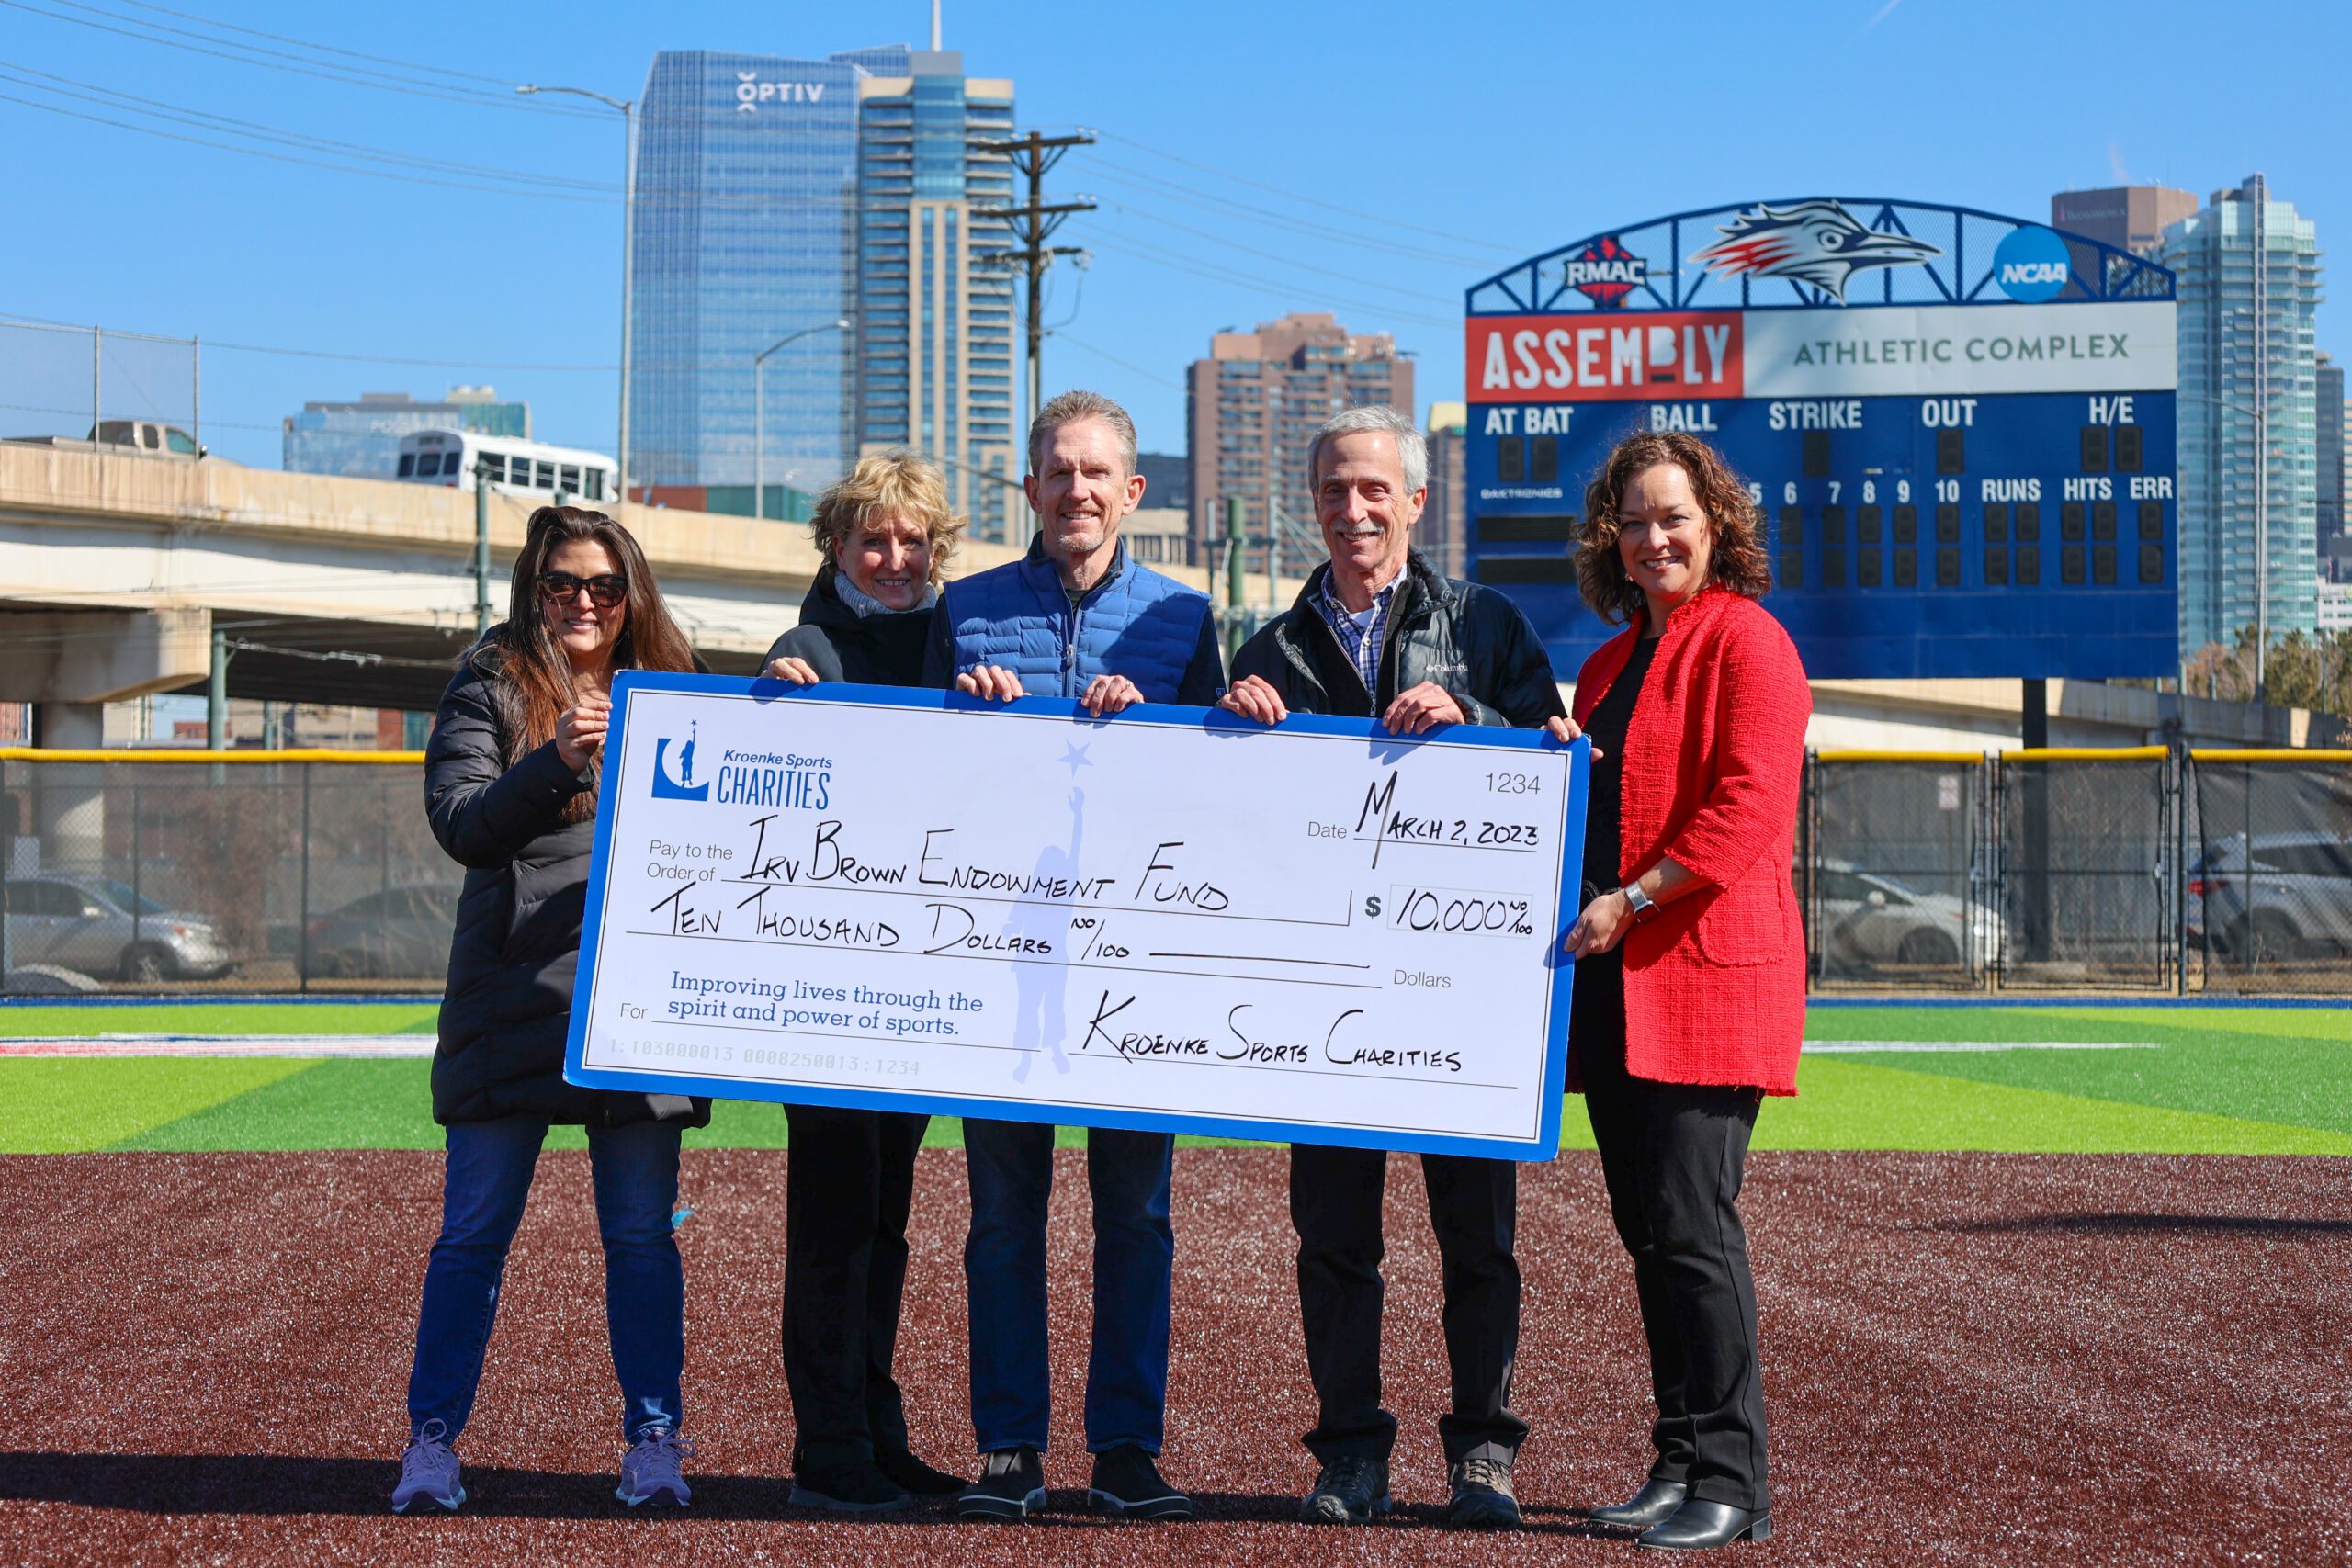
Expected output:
(117, 567)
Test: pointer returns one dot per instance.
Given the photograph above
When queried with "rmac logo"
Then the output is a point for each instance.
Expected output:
(682, 786)
(1605, 272)
(2030, 264)
(751, 92)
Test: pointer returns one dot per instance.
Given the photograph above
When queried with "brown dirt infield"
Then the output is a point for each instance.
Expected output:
(1969, 1358)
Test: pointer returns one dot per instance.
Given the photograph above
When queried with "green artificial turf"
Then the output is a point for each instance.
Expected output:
(2214, 1080)
(37, 1020)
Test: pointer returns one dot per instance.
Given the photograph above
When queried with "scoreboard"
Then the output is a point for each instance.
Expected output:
(1958, 428)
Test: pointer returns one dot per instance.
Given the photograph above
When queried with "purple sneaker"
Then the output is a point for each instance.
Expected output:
(650, 1470)
(429, 1472)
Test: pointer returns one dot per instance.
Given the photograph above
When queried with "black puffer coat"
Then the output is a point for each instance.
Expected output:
(507, 1009)
(879, 649)
(1468, 639)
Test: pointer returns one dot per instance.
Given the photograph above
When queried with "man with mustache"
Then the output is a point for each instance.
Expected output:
(1378, 633)
(1076, 618)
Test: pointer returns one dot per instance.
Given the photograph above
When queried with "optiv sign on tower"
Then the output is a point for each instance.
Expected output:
(751, 92)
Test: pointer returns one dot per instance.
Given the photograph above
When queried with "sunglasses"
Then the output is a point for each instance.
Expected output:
(604, 592)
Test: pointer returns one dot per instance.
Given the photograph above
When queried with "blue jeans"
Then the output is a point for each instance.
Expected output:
(1005, 1275)
(635, 1172)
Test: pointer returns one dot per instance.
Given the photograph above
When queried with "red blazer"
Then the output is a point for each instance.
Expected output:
(1713, 768)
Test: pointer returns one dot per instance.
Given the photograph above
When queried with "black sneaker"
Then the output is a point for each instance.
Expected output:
(1011, 1484)
(1482, 1496)
(1352, 1489)
(852, 1488)
(918, 1477)
(1127, 1486)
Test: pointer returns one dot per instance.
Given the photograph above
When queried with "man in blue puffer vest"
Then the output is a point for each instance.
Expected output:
(1073, 618)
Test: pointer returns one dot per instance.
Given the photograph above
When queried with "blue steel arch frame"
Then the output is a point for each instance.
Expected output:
(2118, 276)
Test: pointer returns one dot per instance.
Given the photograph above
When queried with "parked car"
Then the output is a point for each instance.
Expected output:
(1869, 921)
(2270, 897)
(399, 934)
(151, 437)
(99, 926)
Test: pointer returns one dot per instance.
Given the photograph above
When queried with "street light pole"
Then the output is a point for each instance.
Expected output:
(627, 111)
(760, 410)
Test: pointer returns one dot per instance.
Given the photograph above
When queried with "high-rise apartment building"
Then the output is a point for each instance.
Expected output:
(746, 175)
(363, 439)
(1442, 533)
(2328, 376)
(2130, 217)
(2248, 271)
(932, 298)
(1254, 406)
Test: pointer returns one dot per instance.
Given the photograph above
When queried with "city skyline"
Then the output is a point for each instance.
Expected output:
(1492, 173)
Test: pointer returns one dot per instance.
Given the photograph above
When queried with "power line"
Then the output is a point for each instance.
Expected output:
(1380, 217)
(1122, 364)
(1228, 207)
(1288, 291)
(1276, 257)
(322, 47)
(348, 76)
(90, 92)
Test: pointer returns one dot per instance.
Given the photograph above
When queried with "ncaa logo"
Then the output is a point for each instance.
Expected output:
(682, 785)
(2031, 265)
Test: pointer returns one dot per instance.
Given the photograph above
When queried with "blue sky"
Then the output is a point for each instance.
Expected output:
(1446, 139)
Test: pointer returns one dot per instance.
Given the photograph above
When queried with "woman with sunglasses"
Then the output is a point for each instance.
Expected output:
(510, 787)
(884, 533)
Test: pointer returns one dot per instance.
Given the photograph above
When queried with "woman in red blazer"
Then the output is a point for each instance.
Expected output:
(1690, 984)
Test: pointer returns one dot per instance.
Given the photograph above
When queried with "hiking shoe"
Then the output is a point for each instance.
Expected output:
(1352, 1489)
(651, 1473)
(1127, 1486)
(852, 1488)
(1482, 1496)
(1012, 1485)
(429, 1472)
(918, 1477)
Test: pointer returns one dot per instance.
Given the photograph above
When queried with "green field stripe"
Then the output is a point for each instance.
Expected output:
(1846, 1103)
(218, 1018)
(2296, 1083)
(2163, 1025)
(332, 1103)
(70, 1105)
(2279, 1023)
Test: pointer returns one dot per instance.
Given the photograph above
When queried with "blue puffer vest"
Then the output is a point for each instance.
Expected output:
(1136, 623)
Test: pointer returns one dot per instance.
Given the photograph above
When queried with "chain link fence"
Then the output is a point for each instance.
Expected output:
(273, 876)
(2133, 872)
(78, 384)
(2137, 871)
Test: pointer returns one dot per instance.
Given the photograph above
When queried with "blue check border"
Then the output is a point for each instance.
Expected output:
(1542, 1145)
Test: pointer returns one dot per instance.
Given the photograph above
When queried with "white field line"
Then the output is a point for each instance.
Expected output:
(1857, 1047)
(224, 1046)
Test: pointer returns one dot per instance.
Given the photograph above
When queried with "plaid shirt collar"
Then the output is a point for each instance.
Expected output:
(1360, 638)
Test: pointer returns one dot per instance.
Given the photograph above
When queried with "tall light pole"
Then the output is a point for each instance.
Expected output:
(760, 410)
(627, 109)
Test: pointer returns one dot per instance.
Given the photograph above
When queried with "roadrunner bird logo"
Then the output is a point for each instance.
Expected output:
(1812, 242)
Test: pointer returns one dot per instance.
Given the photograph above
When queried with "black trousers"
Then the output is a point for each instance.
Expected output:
(849, 1183)
(1473, 1205)
(1673, 1156)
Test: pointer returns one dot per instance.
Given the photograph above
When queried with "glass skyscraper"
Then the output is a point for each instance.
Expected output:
(2249, 281)
(934, 302)
(746, 169)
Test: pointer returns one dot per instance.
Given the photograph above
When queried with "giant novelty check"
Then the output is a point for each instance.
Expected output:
(1169, 920)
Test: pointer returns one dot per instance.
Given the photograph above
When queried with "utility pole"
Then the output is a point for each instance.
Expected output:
(481, 547)
(1033, 224)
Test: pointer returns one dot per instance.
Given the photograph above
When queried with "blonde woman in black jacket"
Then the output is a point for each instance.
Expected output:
(509, 788)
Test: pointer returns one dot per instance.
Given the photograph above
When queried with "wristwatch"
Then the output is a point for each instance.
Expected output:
(1641, 903)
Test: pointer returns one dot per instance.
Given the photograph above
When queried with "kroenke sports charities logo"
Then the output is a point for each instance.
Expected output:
(682, 786)
(2031, 265)
(1605, 272)
(1817, 243)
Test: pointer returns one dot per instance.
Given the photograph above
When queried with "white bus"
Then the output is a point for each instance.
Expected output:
(516, 467)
